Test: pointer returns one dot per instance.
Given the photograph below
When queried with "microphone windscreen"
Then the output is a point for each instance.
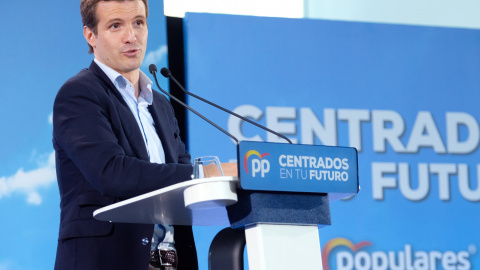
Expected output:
(152, 68)
(165, 72)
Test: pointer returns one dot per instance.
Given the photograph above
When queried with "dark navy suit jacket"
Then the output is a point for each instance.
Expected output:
(101, 159)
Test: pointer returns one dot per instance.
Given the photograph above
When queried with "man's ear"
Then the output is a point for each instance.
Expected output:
(89, 36)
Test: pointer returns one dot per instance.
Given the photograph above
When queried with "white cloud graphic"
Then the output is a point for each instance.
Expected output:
(28, 183)
(4, 266)
(156, 56)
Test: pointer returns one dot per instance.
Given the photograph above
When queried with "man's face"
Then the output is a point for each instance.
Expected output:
(122, 33)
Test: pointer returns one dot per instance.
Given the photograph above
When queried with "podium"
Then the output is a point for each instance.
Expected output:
(280, 221)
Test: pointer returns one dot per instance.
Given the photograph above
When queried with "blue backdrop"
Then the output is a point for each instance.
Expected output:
(405, 96)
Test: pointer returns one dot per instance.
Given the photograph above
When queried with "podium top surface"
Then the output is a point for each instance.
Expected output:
(167, 205)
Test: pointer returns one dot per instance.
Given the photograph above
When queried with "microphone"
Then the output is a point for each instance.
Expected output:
(153, 70)
(167, 74)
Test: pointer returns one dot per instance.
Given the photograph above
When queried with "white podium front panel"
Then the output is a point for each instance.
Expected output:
(206, 198)
(283, 247)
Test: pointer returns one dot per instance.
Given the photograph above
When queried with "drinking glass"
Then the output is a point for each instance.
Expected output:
(206, 167)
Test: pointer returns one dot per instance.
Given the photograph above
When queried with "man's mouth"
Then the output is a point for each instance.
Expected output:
(131, 52)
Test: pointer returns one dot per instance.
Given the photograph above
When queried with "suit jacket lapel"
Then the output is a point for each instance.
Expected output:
(163, 128)
(129, 123)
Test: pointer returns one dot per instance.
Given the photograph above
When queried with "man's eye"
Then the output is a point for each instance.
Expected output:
(115, 26)
(139, 23)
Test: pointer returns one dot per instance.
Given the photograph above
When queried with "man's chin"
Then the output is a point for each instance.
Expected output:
(131, 67)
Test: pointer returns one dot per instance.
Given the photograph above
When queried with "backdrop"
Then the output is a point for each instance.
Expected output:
(405, 96)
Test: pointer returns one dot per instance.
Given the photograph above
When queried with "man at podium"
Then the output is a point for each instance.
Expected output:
(114, 138)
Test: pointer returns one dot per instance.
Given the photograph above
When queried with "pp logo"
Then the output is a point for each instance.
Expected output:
(259, 165)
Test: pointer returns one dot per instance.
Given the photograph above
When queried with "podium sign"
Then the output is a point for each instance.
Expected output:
(297, 168)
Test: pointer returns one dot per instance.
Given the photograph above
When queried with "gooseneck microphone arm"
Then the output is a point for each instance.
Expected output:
(153, 70)
(167, 74)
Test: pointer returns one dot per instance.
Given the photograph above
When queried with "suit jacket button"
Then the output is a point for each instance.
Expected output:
(145, 241)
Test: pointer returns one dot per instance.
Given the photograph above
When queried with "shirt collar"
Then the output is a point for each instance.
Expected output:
(121, 82)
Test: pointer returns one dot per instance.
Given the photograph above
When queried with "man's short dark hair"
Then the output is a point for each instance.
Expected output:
(88, 10)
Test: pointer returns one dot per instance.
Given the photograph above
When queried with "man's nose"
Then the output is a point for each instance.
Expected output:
(129, 36)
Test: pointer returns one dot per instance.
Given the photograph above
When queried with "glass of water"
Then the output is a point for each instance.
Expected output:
(206, 167)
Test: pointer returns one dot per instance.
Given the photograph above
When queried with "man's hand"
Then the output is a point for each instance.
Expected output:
(230, 169)
(211, 170)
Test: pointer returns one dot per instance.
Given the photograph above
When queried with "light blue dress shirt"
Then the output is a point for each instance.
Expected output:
(163, 234)
(139, 109)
